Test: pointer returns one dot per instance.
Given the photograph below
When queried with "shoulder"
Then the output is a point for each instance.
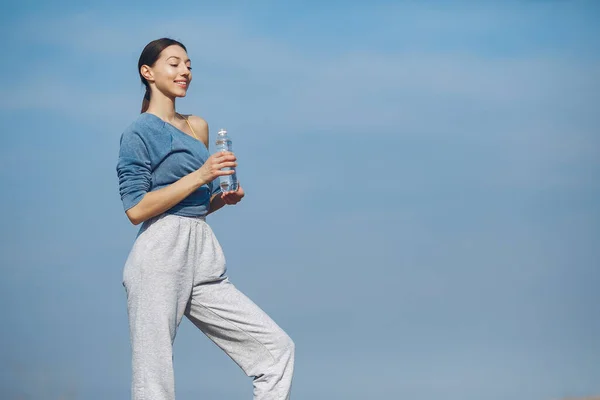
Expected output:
(144, 125)
(198, 123)
(133, 131)
(200, 126)
(144, 130)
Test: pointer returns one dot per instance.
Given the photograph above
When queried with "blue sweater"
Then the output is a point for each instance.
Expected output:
(154, 154)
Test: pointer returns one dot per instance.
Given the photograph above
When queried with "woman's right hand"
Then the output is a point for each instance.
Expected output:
(211, 169)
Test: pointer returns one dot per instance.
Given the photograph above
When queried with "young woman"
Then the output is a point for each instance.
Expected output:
(168, 182)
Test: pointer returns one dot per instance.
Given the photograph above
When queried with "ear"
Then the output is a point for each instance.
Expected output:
(146, 72)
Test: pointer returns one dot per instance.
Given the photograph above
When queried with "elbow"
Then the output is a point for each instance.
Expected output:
(134, 216)
(135, 212)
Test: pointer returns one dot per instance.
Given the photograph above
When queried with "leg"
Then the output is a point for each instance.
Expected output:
(247, 334)
(158, 284)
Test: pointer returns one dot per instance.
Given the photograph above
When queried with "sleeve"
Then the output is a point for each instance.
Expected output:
(134, 170)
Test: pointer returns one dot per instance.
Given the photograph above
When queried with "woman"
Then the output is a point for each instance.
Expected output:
(176, 266)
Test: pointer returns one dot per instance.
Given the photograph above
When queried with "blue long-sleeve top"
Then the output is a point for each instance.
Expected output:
(154, 154)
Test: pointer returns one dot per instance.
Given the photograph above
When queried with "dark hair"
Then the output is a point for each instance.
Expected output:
(149, 55)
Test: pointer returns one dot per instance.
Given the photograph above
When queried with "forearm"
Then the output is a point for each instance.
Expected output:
(216, 202)
(158, 201)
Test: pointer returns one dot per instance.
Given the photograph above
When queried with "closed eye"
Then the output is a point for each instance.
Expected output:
(176, 65)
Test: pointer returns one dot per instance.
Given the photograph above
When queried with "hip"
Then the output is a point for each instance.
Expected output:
(174, 244)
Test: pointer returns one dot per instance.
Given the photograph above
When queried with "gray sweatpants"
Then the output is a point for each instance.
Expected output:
(177, 267)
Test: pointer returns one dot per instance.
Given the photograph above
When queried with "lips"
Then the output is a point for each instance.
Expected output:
(181, 83)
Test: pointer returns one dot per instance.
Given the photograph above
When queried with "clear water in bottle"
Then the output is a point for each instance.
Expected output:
(227, 182)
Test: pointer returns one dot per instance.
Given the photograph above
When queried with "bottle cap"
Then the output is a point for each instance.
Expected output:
(222, 132)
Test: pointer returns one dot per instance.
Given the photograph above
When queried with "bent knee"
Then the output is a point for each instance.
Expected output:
(286, 345)
(291, 345)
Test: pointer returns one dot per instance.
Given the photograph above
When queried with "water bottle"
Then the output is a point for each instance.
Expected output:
(227, 182)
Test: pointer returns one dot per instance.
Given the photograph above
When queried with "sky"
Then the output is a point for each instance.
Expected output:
(422, 213)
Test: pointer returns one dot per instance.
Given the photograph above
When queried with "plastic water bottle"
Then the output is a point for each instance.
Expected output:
(227, 182)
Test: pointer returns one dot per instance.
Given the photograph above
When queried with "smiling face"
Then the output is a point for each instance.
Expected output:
(171, 74)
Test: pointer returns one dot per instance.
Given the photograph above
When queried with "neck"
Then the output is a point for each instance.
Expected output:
(162, 106)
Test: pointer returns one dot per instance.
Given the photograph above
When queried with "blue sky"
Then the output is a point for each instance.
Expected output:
(422, 214)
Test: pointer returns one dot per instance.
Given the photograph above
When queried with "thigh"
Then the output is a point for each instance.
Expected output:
(237, 325)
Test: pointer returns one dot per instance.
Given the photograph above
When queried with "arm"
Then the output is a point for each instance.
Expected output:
(158, 201)
(135, 180)
(217, 199)
(216, 202)
(201, 128)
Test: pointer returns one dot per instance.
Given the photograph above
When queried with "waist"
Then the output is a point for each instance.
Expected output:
(181, 214)
(167, 216)
(189, 208)
(166, 219)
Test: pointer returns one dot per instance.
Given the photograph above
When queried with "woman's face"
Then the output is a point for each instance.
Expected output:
(171, 73)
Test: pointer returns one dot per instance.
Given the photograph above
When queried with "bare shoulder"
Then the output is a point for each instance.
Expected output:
(198, 122)
(200, 126)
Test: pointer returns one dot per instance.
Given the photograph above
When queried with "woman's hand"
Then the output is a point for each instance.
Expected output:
(233, 197)
(211, 169)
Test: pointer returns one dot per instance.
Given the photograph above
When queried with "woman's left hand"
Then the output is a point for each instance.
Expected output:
(233, 197)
